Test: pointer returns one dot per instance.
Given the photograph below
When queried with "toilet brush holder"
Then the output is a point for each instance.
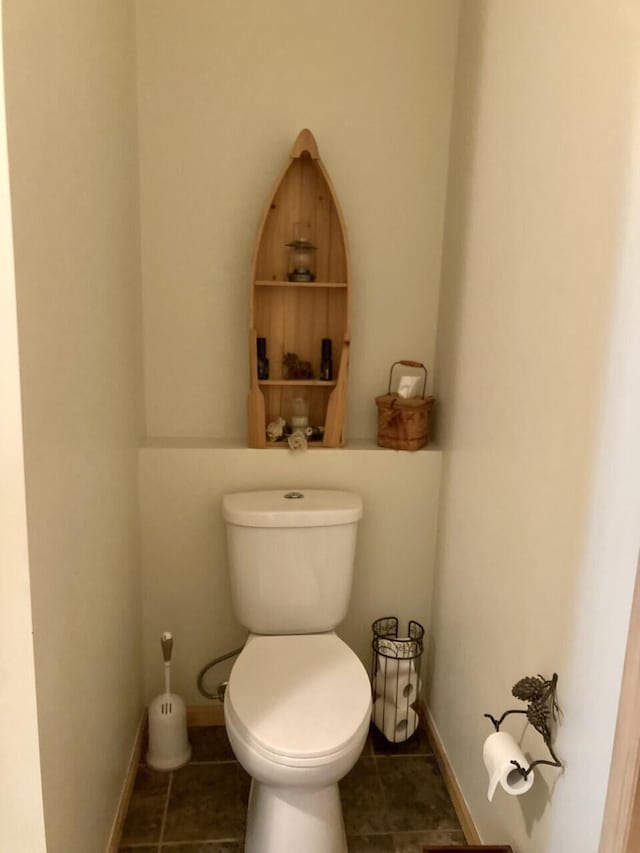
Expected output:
(169, 746)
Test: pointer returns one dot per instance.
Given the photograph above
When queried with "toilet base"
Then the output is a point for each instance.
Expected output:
(288, 819)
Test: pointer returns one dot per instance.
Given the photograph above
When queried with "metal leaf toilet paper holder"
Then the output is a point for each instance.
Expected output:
(540, 694)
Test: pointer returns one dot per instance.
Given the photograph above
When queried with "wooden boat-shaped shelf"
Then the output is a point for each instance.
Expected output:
(295, 316)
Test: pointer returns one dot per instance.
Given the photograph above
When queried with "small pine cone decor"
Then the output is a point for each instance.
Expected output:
(529, 689)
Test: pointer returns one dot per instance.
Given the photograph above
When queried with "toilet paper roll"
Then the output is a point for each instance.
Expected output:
(389, 663)
(499, 750)
(399, 690)
(396, 724)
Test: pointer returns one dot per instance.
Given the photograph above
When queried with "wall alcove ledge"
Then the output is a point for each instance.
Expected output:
(232, 443)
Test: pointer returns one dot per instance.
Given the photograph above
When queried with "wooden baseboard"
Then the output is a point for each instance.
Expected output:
(450, 781)
(205, 715)
(127, 787)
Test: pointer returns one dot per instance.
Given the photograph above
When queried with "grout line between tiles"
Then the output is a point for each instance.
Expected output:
(413, 755)
(204, 761)
(170, 845)
(370, 834)
(164, 813)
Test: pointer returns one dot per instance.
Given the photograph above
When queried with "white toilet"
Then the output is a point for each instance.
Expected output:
(298, 702)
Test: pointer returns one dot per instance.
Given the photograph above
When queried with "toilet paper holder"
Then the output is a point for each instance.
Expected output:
(540, 694)
(395, 677)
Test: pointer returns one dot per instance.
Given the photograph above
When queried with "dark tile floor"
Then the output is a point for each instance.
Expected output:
(394, 801)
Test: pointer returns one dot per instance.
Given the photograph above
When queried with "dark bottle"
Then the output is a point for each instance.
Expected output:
(263, 361)
(326, 364)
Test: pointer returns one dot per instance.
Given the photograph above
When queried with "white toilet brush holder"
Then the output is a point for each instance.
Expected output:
(169, 746)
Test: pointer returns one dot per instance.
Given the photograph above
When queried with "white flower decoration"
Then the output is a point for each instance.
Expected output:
(275, 429)
(297, 441)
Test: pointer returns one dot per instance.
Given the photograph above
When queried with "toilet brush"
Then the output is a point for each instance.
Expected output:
(169, 746)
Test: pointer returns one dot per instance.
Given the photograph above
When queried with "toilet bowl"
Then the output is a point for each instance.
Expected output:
(298, 702)
(297, 712)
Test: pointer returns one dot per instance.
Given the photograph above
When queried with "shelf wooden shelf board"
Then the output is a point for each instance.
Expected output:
(283, 445)
(310, 383)
(316, 284)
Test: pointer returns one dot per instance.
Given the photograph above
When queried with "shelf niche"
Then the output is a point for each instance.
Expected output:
(296, 316)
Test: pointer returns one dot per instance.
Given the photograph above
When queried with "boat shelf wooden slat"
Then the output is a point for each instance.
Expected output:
(310, 284)
(311, 383)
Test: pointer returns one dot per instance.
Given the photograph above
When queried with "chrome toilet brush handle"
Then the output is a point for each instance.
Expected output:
(166, 641)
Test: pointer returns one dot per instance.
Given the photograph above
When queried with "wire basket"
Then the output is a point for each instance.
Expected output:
(395, 677)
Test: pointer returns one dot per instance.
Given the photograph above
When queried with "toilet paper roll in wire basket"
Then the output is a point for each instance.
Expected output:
(397, 689)
(499, 750)
(391, 656)
(396, 724)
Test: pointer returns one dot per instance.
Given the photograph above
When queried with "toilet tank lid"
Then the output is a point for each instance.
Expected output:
(292, 508)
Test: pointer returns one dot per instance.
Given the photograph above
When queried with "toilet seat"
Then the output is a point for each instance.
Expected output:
(298, 700)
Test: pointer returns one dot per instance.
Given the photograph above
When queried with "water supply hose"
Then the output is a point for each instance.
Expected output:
(205, 669)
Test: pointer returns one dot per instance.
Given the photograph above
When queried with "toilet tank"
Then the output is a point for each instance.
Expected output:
(291, 558)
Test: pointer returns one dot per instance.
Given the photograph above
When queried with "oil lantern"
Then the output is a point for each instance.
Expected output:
(301, 255)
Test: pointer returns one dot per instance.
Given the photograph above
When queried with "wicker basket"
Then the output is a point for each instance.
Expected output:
(403, 424)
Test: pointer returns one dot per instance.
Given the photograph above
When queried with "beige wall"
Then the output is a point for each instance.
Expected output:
(185, 577)
(537, 543)
(71, 121)
(21, 809)
(538, 534)
(222, 93)
(223, 89)
(381, 89)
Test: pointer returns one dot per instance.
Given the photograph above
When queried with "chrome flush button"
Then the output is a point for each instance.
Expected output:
(294, 496)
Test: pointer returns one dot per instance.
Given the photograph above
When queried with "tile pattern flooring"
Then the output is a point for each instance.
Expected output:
(394, 801)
